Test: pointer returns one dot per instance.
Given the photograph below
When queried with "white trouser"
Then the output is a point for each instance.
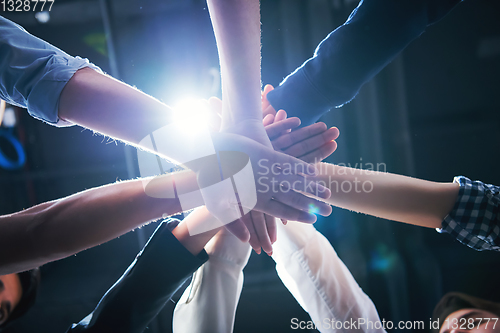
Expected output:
(308, 266)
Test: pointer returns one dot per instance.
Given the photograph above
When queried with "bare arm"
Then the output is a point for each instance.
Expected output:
(60, 228)
(389, 196)
(195, 243)
(110, 107)
(237, 31)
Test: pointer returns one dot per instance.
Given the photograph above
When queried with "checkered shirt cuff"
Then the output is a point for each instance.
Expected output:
(474, 220)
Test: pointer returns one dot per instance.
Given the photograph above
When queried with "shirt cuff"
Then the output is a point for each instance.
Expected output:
(299, 97)
(473, 220)
(43, 101)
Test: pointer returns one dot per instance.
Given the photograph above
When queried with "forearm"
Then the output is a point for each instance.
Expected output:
(309, 267)
(389, 196)
(237, 31)
(195, 242)
(60, 228)
(110, 107)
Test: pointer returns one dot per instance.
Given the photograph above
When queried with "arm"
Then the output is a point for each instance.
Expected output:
(236, 25)
(306, 263)
(108, 106)
(389, 196)
(164, 264)
(373, 35)
(63, 227)
(311, 144)
(209, 303)
(311, 270)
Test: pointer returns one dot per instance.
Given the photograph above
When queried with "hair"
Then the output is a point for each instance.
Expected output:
(30, 281)
(455, 301)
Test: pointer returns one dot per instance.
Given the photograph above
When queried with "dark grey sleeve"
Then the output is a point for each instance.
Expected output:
(142, 291)
(373, 35)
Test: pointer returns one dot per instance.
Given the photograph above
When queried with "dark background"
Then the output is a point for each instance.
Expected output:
(433, 113)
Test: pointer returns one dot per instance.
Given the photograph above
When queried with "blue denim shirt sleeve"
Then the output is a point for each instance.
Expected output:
(373, 35)
(33, 73)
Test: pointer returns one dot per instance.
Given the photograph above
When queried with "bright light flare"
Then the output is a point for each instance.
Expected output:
(192, 115)
(313, 209)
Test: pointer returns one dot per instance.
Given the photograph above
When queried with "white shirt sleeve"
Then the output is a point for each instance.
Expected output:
(311, 270)
(209, 303)
(308, 266)
(33, 73)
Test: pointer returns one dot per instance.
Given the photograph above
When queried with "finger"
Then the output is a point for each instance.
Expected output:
(215, 105)
(301, 202)
(267, 89)
(280, 115)
(265, 101)
(301, 134)
(272, 230)
(268, 120)
(268, 110)
(321, 153)
(254, 238)
(239, 229)
(284, 221)
(259, 223)
(282, 211)
(312, 143)
(278, 162)
(275, 130)
(306, 184)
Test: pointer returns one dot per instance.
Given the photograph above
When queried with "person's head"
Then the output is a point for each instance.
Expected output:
(460, 313)
(17, 294)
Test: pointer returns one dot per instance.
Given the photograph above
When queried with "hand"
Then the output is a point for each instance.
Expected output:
(259, 228)
(277, 178)
(311, 143)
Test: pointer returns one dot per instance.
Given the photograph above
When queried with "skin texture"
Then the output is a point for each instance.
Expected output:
(195, 243)
(236, 26)
(63, 227)
(470, 320)
(390, 196)
(10, 295)
(310, 144)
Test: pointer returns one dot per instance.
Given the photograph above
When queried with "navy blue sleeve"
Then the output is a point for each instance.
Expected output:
(136, 298)
(373, 35)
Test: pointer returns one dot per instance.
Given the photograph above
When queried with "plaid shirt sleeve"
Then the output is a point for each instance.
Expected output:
(475, 219)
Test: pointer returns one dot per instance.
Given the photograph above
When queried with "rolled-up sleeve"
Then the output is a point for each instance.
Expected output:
(474, 220)
(33, 73)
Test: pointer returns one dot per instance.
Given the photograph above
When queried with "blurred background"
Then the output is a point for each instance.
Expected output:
(433, 113)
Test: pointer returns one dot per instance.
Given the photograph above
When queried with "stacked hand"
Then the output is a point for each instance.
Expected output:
(311, 144)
